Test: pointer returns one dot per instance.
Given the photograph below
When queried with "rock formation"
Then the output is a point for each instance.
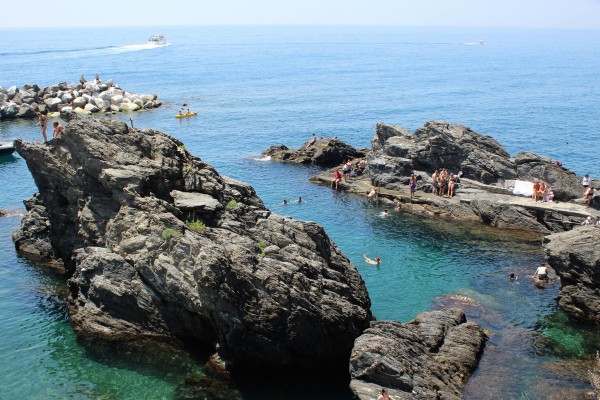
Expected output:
(575, 256)
(424, 359)
(438, 144)
(161, 245)
(325, 153)
(82, 98)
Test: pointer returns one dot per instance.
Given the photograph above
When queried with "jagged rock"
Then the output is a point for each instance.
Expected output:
(32, 239)
(575, 256)
(530, 166)
(437, 144)
(128, 106)
(325, 152)
(91, 108)
(424, 359)
(79, 102)
(53, 103)
(9, 110)
(11, 92)
(26, 111)
(117, 218)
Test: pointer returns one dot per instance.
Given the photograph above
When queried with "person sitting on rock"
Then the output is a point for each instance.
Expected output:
(376, 261)
(337, 177)
(588, 196)
(58, 130)
(312, 141)
(550, 197)
(541, 192)
(585, 182)
(541, 272)
(384, 395)
(536, 189)
(588, 221)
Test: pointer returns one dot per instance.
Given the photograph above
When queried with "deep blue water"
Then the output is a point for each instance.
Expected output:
(533, 90)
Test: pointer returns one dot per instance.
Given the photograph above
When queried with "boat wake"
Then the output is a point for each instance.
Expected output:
(97, 51)
(265, 158)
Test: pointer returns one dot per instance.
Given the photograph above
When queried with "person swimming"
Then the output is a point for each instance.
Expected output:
(512, 277)
(376, 261)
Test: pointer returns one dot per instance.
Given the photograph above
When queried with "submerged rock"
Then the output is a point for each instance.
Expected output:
(156, 252)
(426, 358)
(575, 256)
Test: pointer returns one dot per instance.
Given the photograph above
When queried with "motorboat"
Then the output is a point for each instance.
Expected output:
(157, 40)
(6, 148)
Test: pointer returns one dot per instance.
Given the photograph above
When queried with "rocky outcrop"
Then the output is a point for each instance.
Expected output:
(426, 358)
(325, 153)
(161, 245)
(397, 153)
(575, 256)
(82, 98)
(32, 239)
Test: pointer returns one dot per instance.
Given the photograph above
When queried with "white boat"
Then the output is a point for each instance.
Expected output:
(478, 42)
(6, 148)
(158, 40)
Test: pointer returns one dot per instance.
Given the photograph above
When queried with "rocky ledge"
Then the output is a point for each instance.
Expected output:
(326, 152)
(424, 359)
(575, 256)
(485, 191)
(160, 245)
(86, 97)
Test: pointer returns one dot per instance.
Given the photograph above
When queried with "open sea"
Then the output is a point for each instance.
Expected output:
(531, 89)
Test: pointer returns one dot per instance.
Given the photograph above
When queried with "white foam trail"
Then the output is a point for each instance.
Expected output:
(265, 158)
(136, 47)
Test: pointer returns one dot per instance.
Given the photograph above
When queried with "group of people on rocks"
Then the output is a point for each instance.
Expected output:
(347, 171)
(542, 191)
(43, 123)
(444, 183)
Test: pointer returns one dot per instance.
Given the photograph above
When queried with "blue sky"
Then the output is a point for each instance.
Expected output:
(468, 13)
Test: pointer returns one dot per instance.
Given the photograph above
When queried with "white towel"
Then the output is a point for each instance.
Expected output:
(523, 188)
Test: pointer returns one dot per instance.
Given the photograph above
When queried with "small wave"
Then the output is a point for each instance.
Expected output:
(7, 213)
(265, 158)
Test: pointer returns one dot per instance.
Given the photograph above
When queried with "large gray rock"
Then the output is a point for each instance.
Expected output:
(575, 256)
(53, 103)
(9, 110)
(26, 111)
(325, 152)
(119, 218)
(566, 184)
(424, 359)
(32, 239)
(437, 145)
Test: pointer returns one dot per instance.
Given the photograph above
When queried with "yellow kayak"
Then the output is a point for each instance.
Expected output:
(186, 115)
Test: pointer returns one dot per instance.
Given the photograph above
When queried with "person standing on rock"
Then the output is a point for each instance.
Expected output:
(43, 122)
(413, 185)
(58, 130)
(435, 178)
(347, 170)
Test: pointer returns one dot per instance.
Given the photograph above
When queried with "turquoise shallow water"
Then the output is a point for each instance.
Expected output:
(254, 87)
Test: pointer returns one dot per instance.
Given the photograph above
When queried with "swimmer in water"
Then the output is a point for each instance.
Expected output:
(376, 261)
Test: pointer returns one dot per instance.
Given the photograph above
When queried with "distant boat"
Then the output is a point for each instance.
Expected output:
(6, 149)
(157, 40)
(187, 114)
(478, 42)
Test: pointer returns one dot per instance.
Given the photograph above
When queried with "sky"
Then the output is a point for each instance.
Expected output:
(583, 14)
